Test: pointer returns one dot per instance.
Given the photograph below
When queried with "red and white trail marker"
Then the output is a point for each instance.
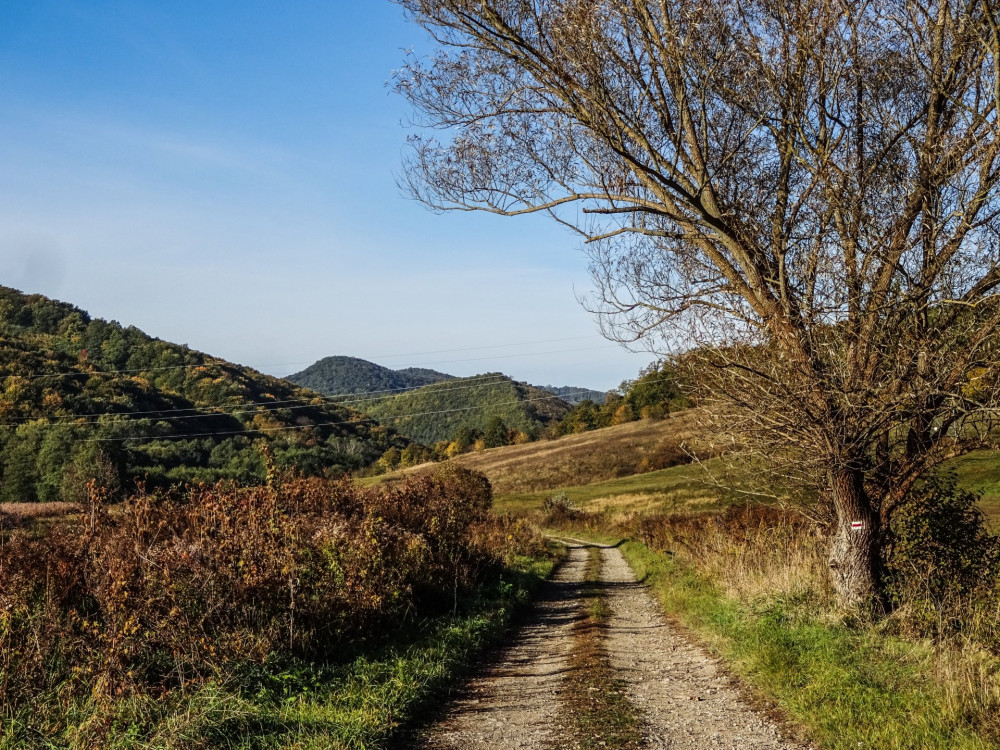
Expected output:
(857, 525)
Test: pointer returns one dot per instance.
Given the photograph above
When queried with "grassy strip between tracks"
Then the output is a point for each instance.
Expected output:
(598, 709)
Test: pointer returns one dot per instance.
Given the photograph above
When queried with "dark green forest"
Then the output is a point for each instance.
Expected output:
(84, 398)
(338, 376)
(439, 412)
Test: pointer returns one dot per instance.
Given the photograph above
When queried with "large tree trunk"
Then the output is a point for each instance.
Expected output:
(855, 562)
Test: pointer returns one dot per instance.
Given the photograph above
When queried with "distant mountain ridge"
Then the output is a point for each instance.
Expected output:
(343, 376)
(574, 395)
(439, 411)
(430, 406)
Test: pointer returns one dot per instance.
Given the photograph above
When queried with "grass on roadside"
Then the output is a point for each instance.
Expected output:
(363, 703)
(849, 687)
(368, 701)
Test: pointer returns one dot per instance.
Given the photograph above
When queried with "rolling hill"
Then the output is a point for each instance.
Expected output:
(79, 395)
(339, 376)
(593, 456)
(574, 395)
(439, 411)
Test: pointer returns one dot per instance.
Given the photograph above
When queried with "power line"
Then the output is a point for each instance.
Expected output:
(269, 406)
(307, 402)
(509, 356)
(472, 348)
(362, 419)
(217, 362)
(324, 424)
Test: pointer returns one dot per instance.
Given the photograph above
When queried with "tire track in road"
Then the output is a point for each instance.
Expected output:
(685, 699)
(515, 703)
(688, 702)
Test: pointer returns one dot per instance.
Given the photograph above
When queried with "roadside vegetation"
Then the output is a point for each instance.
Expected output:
(751, 582)
(308, 609)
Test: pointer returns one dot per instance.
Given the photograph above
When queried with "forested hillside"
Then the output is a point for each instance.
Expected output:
(468, 406)
(339, 376)
(81, 396)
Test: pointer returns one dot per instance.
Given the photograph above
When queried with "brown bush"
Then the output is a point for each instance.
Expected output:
(664, 456)
(172, 587)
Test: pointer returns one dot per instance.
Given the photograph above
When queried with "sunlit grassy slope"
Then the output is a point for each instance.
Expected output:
(688, 487)
(612, 468)
(705, 485)
(980, 472)
(596, 456)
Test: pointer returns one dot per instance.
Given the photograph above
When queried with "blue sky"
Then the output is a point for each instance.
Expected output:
(222, 175)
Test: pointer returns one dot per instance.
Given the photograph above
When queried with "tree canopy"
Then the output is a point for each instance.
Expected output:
(801, 193)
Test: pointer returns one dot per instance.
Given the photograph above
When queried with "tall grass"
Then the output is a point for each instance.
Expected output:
(753, 583)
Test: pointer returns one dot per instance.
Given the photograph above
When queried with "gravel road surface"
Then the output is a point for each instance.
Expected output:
(686, 700)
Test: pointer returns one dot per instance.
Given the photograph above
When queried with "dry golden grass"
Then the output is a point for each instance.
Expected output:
(596, 456)
(752, 581)
(752, 552)
(38, 517)
(967, 675)
(25, 511)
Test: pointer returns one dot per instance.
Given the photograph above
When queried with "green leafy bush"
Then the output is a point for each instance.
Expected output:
(941, 560)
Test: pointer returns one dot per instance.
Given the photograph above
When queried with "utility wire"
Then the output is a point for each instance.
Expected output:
(333, 398)
(510, 356)
(475, 348)
(216, 362)
(322, 424)
(272, 406)
(266, 406)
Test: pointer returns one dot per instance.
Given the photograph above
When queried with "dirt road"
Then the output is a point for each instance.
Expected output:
(686, 702)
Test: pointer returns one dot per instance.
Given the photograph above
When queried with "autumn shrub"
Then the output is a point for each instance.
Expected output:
(559, 508)
(175, 588)
(664, 456)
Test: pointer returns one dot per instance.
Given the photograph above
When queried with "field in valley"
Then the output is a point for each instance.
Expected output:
(742, 574)
(651, 466)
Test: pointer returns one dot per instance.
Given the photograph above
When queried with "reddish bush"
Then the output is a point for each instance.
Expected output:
(171, 586)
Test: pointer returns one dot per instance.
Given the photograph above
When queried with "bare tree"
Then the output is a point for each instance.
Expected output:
(805, 190)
